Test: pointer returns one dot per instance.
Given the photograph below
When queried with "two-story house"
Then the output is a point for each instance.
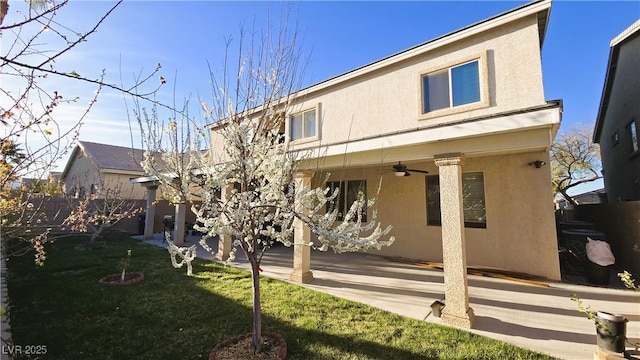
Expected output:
(468, 108)
(617, 128)
(464, 115)
(459, 130)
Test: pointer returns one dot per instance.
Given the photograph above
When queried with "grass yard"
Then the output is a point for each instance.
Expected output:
(172, 316)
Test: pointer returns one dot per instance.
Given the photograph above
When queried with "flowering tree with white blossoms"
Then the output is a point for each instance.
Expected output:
(248, 190)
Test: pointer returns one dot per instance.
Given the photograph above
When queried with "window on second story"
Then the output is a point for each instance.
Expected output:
(634, 141)
(451, 87)
(303, 125)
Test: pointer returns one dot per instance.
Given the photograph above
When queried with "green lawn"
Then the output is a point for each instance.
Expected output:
(172, 316)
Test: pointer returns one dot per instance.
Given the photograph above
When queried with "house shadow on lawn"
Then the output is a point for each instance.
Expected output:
(172, 316)
(305, 343)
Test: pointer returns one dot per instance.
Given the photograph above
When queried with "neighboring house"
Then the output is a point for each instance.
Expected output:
(617, 128)
(591, 197)
(93, 166)
(469, 108)
(28, 182)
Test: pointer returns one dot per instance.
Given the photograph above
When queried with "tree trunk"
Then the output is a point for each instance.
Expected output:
(95, 234)
(257, 310)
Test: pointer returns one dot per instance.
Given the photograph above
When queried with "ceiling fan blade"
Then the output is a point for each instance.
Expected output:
(420, 171)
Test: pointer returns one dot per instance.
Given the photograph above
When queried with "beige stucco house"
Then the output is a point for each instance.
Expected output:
(469, 108)
(93, 166)
(459, 131)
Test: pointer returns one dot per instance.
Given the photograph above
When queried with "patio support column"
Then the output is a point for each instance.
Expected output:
(178, 227)
(457, 311)
(151, 212)
(224, 240)
(301, 238)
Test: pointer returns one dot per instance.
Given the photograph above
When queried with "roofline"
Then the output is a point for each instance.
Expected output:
(540, 7)
(67, 166)
(533, 7)
(617, 42)
(80, 146)
(551, 104)
(122, 172)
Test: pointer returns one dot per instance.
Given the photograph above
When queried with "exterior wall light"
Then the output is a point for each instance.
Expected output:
(538, 163)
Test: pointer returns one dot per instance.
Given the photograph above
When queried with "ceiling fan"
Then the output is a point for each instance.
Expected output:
(401, 170)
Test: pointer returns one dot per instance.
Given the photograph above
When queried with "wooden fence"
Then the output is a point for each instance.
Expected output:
(56, 210)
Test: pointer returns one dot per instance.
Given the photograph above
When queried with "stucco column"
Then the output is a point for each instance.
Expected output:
(301, 238)
(151, 212)
(224, 240)
(457, 311)
(178, 227)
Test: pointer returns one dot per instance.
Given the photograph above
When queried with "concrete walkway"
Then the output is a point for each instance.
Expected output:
(539, 318)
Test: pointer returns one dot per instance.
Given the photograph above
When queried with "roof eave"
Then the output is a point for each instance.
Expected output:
(540, 7)
(612, 64)
(606, 91)
(69, 163)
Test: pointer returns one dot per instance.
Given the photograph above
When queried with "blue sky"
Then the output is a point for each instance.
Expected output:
(337, 37)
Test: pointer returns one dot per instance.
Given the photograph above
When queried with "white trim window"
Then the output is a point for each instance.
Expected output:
(454, 86)
(303, 125)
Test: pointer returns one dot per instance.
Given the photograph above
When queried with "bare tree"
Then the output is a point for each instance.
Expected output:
(34, 138)
(575, 160)
(103, 208)
(246, 180)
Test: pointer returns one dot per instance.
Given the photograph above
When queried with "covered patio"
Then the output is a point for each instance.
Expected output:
(539, 317)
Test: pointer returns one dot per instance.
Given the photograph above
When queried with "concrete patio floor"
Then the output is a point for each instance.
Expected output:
(540, 318)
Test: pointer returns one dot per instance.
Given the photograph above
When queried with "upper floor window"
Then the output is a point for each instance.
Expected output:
(451, 87)
(303, 125)
(632, 133)
(473, 200)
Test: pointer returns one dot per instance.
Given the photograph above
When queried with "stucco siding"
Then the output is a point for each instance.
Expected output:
(520, 234)
(122, 183)
(372, 118)
(82, 172)
(389, 100)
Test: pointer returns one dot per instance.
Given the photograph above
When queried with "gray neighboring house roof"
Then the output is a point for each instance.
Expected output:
(108, 157)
